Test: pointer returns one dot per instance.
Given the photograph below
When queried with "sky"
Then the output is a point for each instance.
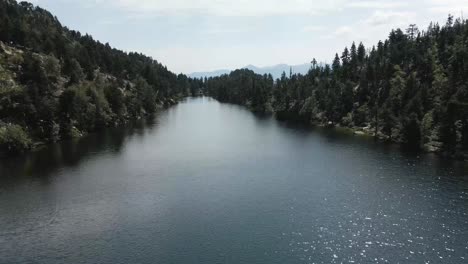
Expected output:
(203, 35)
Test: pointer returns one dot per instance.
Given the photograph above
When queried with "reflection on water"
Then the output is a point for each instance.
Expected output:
(44, 161)
(205, 182)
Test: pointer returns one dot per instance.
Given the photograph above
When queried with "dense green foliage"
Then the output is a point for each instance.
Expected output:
(56, 82)
(13, 138)
(241, 87)
(411, 88)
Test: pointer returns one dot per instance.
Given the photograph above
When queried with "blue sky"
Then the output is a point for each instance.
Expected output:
(203, 35)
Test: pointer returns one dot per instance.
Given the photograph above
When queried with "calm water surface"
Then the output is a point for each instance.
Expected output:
(206, 182)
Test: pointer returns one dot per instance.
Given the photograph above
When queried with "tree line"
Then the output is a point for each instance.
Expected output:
(411, 88)
(58, 83)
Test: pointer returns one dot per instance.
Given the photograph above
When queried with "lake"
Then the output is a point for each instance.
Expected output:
(205, 182)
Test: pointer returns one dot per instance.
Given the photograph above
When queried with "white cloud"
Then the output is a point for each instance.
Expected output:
(340, 32)
(379, 18)
(313, 28)
(373, 28)
(227, 7)
(377, 4)
(454, 7)
(221, 30)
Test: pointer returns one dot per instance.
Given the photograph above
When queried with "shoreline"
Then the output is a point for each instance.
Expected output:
(38, 144)
(432, 147)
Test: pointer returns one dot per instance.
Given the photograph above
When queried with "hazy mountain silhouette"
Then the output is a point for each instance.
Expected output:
(275, 70)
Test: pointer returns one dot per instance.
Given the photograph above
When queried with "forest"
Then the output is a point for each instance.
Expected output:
(411, 88)
(56, 83)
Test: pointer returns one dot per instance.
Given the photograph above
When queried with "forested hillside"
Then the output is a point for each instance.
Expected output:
(57, 83)
(411, 88)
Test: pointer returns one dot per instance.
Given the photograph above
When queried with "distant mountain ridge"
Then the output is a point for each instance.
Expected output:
(275, 70)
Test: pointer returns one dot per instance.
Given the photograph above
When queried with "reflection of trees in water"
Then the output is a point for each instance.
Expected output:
(143, 126)
(262, 117)
(71, 153)
(369, 149)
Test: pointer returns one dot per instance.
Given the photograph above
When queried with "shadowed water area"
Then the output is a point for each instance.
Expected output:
(205, 182)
